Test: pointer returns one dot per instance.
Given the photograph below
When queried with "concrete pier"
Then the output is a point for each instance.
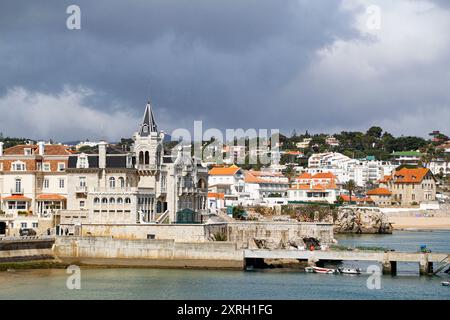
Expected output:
(388, 260)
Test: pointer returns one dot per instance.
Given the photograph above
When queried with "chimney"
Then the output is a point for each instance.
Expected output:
(102, 154)
(41, 146)
(1, 149)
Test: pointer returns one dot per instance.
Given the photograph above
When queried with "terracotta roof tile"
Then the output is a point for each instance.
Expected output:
(224, 171)
(379, 192)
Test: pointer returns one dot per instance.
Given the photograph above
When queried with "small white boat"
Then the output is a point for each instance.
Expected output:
(309, 270)
(446, 283)
(324, 270)
(349, 270)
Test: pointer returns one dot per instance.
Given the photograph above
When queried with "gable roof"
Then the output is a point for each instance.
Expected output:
(324, 175)
(224, 171)
(49, 150)
(410, 175)
(304, 175)
(379, 192)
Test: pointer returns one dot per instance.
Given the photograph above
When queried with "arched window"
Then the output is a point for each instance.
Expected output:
(96, 200)
(127, 200)
(105, 200)
(112, 200)
(147, 157)
(112, 183)
(201, 184)
(119, 200)
(122, 182)
(141, 157)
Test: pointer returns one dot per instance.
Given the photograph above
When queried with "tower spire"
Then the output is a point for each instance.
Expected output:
(148, 122)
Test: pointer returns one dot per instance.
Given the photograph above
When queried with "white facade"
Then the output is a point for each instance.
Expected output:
(439, 166)
(33, 186)
(344, 168)
(142, 186)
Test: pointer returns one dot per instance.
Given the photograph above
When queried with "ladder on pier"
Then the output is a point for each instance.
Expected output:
(444, 263)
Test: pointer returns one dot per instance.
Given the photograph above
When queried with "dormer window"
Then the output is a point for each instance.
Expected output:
(61, 166)
(27, 151)
(82, 161)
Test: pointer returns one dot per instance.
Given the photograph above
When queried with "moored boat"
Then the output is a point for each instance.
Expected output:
(324, 270)
(349, 270)
(446, 283)
(309, 269)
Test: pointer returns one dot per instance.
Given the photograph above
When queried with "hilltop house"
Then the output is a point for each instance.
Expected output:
(411, 186)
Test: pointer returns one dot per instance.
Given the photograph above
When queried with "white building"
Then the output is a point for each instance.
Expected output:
(33, 186)
(439, 166)
(263, 185)
(345, 168)
(86, 144)
(304, 144)
(320, 187)
(142, 186)
(228, 180)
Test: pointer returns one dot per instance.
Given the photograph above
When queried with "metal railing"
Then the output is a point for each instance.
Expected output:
(17, 191)
(81, 189)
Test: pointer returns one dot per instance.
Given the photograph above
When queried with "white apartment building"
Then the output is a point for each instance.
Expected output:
(33, 186)
(320, 187)
(344, 168)
(304, 144)
(261, 185)
(227, 180)
(439, 166)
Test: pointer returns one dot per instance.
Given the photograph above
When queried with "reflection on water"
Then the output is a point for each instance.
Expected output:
(262, 284)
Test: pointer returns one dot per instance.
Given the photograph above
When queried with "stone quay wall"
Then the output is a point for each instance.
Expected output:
(25, 250)
(243, 233)
(148, 253)
(177, 232)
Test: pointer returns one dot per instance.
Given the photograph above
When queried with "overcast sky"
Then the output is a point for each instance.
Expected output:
(290, 64)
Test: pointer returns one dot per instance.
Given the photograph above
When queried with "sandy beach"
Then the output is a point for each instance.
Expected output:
(421, 223)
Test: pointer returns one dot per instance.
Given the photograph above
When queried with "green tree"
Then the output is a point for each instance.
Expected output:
(350, 186)
(374, 132)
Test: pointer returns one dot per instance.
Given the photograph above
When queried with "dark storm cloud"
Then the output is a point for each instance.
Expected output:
(230, 63)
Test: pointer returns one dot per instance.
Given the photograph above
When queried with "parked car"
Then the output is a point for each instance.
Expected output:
(27, 232)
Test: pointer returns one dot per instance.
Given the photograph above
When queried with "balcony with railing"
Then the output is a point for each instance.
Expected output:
(114, 190)
(16, 191)
(145, 167)
(81, 189)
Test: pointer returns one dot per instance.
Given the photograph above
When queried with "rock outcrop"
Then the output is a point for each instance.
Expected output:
(361, 220)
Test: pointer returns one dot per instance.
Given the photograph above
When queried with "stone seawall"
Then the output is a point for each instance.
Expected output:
(25, 250)
(148, 253)
(179, 232)
(244, 233)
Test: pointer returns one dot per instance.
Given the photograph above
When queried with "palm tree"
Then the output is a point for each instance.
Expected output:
(350, 186)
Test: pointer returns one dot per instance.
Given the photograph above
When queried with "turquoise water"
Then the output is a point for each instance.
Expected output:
(240, 285)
